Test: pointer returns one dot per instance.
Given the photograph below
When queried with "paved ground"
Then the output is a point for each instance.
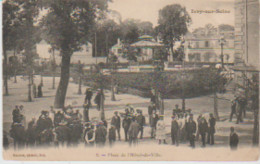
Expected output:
(200, 105)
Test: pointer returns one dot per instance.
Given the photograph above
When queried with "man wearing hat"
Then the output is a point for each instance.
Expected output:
(112, 135)
(133, 132)
(16, 115)
(141, 121)
(203, 128)
(174, 131)
(211, 131)
(126, 124)
(233, 109)
(100, 134)
(191, 129)
(116, 121)
(233, 139)
(88, 97)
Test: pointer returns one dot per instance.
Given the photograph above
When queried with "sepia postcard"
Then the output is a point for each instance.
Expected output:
(130, 80)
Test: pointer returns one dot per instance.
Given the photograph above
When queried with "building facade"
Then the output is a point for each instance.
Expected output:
(84, 55)
(203, 45)
(246, 40)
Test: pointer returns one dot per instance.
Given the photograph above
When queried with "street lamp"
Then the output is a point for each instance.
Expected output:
(183, 74)
(222, 42)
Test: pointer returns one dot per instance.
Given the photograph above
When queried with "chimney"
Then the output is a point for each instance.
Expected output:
(118, 41)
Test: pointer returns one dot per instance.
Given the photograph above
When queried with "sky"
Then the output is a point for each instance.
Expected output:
(148, 10)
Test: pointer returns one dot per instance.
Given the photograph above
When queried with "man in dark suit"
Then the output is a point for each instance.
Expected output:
(88, 97)
(191, 128)
(233, 109)
(141, 121)
(233, 139)
(203, 129)
(116, 121)
(211, 132)
(175, 131)
(126, 124)
(100, 135)
(151, 108)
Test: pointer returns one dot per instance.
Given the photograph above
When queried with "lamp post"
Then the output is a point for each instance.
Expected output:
(183, 74)
(222, 42)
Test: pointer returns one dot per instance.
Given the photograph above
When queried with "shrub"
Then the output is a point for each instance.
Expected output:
(194, 83)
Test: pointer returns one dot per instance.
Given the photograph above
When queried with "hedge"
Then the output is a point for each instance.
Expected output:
(194, 83)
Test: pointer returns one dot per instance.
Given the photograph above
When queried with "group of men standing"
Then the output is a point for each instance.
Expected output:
(183, 128)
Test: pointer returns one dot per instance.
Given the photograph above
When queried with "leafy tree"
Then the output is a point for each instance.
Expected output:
(173, 23)
(145, 28)
(107, 34)
(160, 54)
(130, 53)
(67, 25)
(20, 32)
(11, 22)
(29, 15)
(130, 31)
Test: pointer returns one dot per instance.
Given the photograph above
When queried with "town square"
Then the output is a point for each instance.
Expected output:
(92, 75)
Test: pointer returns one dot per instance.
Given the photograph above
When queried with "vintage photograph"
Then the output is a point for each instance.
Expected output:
(128, 80)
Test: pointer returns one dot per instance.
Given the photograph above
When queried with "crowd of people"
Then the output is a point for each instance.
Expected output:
(70, 127)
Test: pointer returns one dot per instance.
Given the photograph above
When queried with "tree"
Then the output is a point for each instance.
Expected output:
(130, 53)
(67, 26)
(20, 33)
(80, 74)
(112, 61)
(145, 28)
(160, 54)
(173, 23)
(130, 31)
(107, 34)
(29, 16)
(11, 21)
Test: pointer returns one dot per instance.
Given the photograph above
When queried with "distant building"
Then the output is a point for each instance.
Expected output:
(117, 49)
(202, 45)
(84, 55)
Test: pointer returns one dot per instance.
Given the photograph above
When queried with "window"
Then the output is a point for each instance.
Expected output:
(119, 51)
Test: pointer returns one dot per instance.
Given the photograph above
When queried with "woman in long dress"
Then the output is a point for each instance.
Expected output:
(161, 131)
